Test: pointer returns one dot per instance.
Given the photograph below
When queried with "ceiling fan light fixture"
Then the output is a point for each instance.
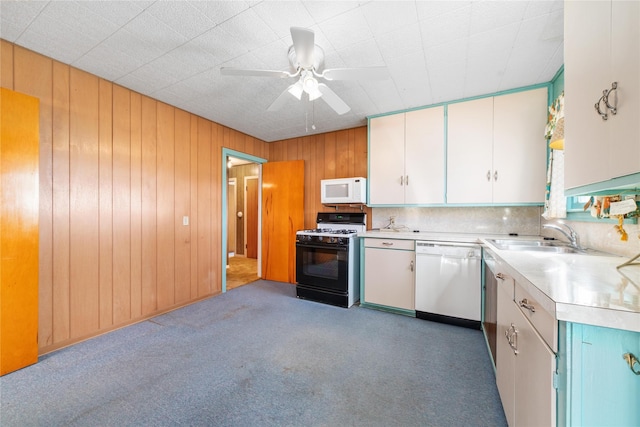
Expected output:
(296, 90)
(314, 94)
(309, 83)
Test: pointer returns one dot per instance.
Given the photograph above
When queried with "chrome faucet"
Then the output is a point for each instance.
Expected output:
(569, 233)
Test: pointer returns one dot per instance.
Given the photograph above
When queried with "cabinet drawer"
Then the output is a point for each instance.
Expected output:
(405, 245)
(543, 321)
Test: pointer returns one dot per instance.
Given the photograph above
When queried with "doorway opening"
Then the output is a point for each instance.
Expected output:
(241, 213)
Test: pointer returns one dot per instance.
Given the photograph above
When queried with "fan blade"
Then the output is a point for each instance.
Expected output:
(281, 99)
(332, 99)
(304, 45)
(369, 73)
(227, 71)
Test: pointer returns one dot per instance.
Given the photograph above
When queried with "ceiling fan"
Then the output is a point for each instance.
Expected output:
(306, 60)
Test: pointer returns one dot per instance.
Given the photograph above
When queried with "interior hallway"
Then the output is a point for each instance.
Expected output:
(241, 271)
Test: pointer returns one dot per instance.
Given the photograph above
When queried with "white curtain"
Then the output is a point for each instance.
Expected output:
(555, 201)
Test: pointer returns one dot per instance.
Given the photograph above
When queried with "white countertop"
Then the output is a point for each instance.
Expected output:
(580, 288)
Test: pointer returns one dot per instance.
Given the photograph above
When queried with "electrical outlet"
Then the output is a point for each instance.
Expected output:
(392, 220)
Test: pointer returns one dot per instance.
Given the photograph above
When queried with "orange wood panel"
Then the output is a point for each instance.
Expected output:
(83, 178)
(282, 216)
(252, 192)
(309, 177)
(136, 205)
(121, 204)
(319, 166)
(61, 208)
(149, 206)
(166, 205)
(330, 151)
(342, 154)
(361, 161)
(19, 160)
(34, 77)
(205, 271)
(193, 189)
(106, 203)
(182, 206)
(216, 205)
(6, 64)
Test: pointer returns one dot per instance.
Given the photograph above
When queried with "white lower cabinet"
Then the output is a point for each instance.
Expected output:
(389, 266)
(525, 364)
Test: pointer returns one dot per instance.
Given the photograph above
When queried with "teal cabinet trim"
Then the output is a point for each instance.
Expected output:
(226, 152)
(612, 186)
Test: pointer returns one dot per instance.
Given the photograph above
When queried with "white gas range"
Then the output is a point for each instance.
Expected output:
(328, 259)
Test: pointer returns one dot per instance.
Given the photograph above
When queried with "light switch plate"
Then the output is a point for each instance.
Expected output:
(185, 220)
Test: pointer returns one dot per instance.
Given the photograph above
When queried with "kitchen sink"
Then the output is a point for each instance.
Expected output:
(545, 246)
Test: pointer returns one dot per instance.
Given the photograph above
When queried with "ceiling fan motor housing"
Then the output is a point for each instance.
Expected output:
(318, 59)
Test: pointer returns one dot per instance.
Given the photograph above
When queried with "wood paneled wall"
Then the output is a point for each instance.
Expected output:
(118, 171)
(339, 154)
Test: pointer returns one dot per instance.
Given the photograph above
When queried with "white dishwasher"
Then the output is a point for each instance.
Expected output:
(448, 284)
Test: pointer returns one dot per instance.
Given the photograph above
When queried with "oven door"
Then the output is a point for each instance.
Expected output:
(323, 266)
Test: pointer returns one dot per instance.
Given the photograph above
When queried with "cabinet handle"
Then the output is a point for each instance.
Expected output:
(597, 107)
(495, 176)
(387, 243)
(512, 338)
(606, 95)
(632, 361)
(406, 180)
(401, 180)
(488, 175)
(525, 304)
(500, 276)
(411, 265)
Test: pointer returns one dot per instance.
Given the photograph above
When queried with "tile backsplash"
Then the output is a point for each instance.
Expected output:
(523, 220)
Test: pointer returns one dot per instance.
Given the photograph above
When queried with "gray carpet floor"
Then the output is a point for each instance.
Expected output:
(258, 356)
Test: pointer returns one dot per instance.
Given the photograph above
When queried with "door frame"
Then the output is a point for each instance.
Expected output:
(226, 153)
(232, 182)
(246, 178)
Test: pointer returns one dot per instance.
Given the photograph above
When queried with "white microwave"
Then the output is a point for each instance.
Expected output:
(343, 190)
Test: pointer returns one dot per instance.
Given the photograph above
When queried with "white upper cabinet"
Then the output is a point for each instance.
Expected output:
(406, 158)
(386, 160)
(496, 150)
(602, 46)
(470, 152)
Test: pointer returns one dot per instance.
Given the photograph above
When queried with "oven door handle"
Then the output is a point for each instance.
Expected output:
(312, 246)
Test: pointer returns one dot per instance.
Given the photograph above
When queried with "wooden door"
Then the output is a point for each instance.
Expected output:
(251, 216)
(231, 216)
(19, 214)
(282, 216)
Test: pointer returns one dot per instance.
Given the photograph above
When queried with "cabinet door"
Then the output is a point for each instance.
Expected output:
(604, 391)
(388, 278)
(625, 65)
(587, 73)
(424, 156)
(505, 357)
(519, 147)
(470, 152)
(386, 160)
(535, 395)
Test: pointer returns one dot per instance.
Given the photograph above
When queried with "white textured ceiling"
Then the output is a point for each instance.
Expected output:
(435, 51)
